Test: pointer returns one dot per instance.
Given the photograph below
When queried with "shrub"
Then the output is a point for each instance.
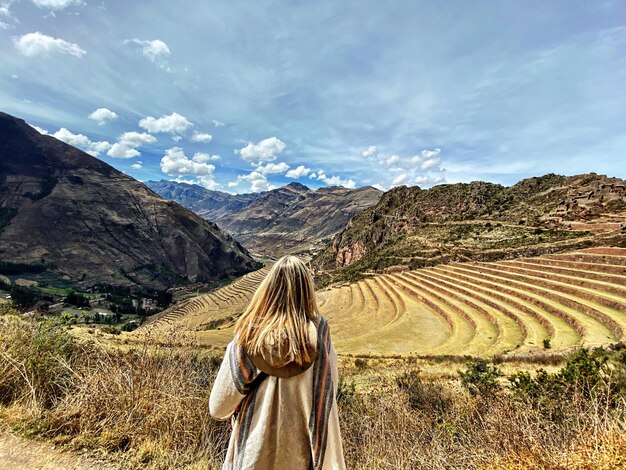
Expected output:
(360, 363)
(35, 360)
(67, 318)
(546, 343)
(346, 390)
(425, 396)
(585, 376)
(112, 330)
(129, 326)
(480, 378)
(8, 309)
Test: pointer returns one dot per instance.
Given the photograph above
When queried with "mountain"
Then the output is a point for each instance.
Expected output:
(290, 219)
(412, 227)
(67, 216)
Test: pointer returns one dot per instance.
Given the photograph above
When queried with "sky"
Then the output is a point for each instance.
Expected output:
(248, 96)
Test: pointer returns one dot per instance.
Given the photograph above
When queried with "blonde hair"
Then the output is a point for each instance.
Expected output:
(280, 311)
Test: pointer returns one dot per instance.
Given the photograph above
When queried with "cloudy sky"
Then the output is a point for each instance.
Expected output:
(246, 96)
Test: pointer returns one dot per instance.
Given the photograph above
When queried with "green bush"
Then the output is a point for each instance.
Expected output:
(586, 375)
(112, 330)
(547, 344)
(481, 378)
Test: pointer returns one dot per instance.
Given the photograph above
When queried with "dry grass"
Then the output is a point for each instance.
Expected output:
(147, 408)
(448, 428)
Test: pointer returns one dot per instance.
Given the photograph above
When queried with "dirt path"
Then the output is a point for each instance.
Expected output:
(17, 453)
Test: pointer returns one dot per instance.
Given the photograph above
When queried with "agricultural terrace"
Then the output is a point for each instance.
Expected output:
(558, 301)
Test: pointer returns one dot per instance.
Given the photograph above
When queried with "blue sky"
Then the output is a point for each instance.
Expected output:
(243, 96)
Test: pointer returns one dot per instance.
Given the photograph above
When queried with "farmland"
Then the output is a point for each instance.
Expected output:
(558, 301)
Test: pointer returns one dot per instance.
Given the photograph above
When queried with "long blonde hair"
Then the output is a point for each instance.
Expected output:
(280, 311)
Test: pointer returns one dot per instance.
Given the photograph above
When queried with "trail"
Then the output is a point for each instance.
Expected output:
(18, 453)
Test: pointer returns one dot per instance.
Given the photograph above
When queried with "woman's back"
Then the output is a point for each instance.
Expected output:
(285, 410)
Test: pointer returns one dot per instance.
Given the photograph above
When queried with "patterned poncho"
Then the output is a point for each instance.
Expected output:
(280, 423)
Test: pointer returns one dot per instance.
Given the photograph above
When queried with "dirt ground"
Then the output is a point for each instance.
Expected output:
(17, 453)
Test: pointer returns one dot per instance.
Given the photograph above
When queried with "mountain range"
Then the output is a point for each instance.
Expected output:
(67, 217)
(290, 219)
(412, 227)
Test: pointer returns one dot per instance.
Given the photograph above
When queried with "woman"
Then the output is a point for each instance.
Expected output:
(278, 379)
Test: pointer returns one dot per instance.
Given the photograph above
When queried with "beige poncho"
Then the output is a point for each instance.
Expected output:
(280, 423)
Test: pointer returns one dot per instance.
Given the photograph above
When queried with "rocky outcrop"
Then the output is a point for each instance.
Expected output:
(68, 217)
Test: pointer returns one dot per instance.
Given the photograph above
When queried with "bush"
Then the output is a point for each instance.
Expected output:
(546, 343)
(360, 364)
(112, 330)
(480, 378)
(129, 326)
(425, 396)
(34, 361)
(586, 376)
(8, 309)
(346, 390)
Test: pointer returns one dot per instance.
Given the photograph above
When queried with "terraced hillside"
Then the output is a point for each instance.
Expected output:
(575, 298)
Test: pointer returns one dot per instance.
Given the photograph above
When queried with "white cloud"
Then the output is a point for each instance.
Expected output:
(34, 44)
(298, 172)
(380, 187)
(208, 182)
(205, 157)
(426, 160)
(4, 25)
(175, 162)
(177, 138)
(217, 123)
(136, 166)
(272, 168)
(370, 152)
(172, 123)
(155, 50)
(400, 179)
(264, 151)
(427, 180)
(56, 5)
(258, 182)
(127, 144)
(39, 129)
(335, 180)
(201, 137)
(392, 161)
(103, 115)
(82, 142)
(313, 176)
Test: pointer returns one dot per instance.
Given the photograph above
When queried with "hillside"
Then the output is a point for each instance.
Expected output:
(290, 219)
(67, 217)
(411, 227)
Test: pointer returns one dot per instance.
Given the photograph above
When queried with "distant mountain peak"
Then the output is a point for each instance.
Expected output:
(289, 219)
(297, 186)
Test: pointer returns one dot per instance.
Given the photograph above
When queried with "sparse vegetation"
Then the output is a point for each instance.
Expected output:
(147, 407)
